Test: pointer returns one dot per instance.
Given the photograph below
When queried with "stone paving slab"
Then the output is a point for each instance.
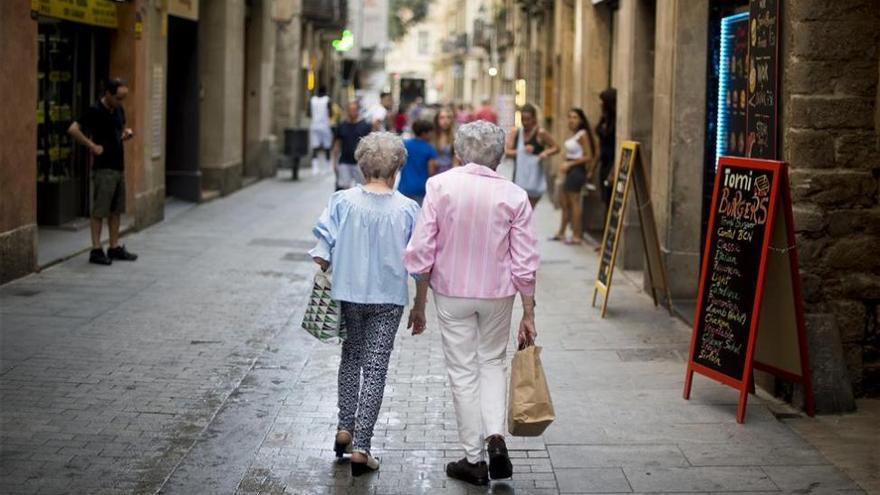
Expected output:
(186, 373)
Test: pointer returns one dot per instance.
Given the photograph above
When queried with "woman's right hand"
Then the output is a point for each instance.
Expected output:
(527, 332)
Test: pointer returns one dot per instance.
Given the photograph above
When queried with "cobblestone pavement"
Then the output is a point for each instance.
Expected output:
(185, 373)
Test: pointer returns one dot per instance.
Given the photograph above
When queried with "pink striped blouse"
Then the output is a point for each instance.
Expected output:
(475, 236)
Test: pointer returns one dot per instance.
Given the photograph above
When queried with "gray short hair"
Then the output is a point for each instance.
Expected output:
(480, 142)
(380, 155)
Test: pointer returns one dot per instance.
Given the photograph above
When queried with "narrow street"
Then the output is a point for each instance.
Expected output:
(186, 373)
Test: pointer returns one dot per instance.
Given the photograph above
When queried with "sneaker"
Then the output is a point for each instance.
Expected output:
(475, 474)
(499, 461)
(120, 253)
(98, 257)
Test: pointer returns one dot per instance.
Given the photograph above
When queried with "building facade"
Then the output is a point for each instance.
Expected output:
(213, 86)
(410, 61)
(663, 57)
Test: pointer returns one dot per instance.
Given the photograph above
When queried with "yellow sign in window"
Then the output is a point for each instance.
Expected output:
(95, 12)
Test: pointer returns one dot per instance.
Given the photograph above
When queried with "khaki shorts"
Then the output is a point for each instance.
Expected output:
(348, 175)
(108, 193)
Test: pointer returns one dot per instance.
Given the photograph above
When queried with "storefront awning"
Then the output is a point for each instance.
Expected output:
(93, 12)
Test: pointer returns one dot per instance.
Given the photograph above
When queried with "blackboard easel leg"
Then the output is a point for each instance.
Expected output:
(743, 400)
(688, 381)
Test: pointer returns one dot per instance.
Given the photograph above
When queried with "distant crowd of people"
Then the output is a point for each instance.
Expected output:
(429, 140)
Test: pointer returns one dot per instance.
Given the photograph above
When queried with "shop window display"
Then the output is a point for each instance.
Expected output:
(71, 59)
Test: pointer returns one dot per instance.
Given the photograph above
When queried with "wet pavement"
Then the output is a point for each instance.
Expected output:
(186, 373)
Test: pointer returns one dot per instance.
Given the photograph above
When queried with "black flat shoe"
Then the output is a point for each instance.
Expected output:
(342, 445)
(475, 474)
(361, 468)
(500, 466)
(120, 253)
(98, 257)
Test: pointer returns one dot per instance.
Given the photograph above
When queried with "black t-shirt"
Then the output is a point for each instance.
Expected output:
(350, 133)
(104, 127)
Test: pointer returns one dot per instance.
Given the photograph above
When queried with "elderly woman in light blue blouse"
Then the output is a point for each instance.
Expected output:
(362, 235)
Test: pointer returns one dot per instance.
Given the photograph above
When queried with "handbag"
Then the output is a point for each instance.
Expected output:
(530, 409)
(323, 316)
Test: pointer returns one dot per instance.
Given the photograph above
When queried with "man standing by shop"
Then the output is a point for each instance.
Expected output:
(102, 130)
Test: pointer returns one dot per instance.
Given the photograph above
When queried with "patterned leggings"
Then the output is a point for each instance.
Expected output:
(371, 331)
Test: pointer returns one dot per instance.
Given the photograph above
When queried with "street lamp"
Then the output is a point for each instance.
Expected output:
(487, 21)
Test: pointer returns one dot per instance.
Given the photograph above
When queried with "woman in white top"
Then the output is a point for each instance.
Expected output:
(580, 160)
(529, 146)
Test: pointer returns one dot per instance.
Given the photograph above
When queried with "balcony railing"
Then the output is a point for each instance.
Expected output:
(481, 36)
(455, 43)
(326, 13)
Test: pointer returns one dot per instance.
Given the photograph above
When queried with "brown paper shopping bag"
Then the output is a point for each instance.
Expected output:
(530, 410)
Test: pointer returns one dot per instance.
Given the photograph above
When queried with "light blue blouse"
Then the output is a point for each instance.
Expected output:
(363, 235)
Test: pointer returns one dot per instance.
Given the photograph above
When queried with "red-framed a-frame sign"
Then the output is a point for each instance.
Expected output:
(749, 311)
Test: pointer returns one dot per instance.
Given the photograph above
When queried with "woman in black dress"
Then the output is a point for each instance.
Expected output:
(607, 132)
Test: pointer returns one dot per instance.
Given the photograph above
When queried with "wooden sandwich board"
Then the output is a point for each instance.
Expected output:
(630, 173)
(749, 307)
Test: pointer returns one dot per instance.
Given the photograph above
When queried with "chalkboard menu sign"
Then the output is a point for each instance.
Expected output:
(630, 175)
(735, 244)
(763, 75)
(615, 215)
(749, 307)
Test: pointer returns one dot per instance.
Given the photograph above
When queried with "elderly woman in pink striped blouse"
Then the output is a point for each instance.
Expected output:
(475, 243)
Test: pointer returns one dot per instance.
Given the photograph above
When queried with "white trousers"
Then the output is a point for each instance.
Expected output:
(475, 333)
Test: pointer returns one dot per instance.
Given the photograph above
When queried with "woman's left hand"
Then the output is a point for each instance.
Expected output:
(324, 264)
(417, 320)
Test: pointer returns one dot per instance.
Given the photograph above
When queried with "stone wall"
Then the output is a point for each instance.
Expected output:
(831, 53)
(221, 66)
(678, 139)
(18, 141)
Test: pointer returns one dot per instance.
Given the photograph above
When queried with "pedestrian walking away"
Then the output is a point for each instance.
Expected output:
(415, 110)
(102, 130)
(362, 235)
(320, 135)
(444, 141)
(463, 115)
(486, 112)
(400, 120)
(348, 135)
(529, 146)
(380, 116)
(576, 170)
(421, 159)
(476, 244)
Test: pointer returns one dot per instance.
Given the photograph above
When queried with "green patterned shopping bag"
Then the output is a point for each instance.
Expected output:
(323, 316)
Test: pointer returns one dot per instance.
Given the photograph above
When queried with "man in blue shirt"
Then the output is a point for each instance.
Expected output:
(420, 154)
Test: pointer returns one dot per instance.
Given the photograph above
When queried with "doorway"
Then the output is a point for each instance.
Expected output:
(183, 177)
